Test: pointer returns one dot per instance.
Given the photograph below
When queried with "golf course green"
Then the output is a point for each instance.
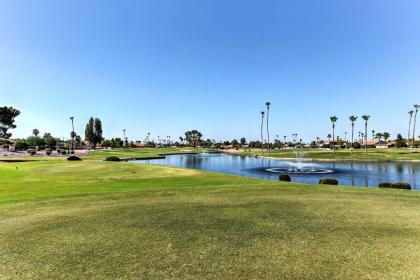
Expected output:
(118, 220)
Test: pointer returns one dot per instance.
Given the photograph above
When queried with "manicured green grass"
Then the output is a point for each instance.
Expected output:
(139, 152)
(98, 220)
(358, 154)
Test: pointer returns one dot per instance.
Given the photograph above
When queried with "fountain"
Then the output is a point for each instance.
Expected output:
(298, 167)
(299, 158)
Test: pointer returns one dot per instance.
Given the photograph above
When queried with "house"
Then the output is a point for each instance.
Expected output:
(139, 144)
(370, 143)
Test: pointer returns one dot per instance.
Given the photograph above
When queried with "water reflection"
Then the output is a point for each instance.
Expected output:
(368, 174)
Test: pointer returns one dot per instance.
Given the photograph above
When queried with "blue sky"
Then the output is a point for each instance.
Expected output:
(167, 66)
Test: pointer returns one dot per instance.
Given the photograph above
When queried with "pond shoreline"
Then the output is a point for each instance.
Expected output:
(323, 159)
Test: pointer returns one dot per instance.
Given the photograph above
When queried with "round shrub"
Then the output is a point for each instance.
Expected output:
(32, 152)
(285, 178)
(112, 158)
(401, 185)
(74, 158)
(64, 152)
(385, 185)
(48, 151)
(328, 181)
(356, 145)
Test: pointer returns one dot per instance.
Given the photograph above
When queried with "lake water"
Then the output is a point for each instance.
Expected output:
(368, 174)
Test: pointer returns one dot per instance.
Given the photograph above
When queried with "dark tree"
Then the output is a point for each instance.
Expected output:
(49, 140)
(7, 120)
(89, 135)
(193, 137)
(93, 131)
(97, 131)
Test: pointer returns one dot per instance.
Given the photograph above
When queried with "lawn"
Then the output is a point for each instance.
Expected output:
(139, 153)
(94, 220)
(358, 154)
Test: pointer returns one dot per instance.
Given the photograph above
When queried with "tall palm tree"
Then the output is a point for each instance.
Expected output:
(409, 124)
(267, 104)
(35, 131)
(333, 120)
(353, 119)
(386, 136)
(373, 134)
(366, 118)
(416, 107)
(72, 133)
(379, 137)
(262, 132)
(329, 137)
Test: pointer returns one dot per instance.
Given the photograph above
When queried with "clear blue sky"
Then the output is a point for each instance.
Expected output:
(166, 66)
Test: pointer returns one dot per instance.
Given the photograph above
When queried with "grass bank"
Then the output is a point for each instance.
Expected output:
(359, 154)
(108, 220)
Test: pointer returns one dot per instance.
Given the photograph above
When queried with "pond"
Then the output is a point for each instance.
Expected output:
(368, 174)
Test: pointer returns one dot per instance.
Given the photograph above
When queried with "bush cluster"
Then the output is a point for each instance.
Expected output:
(74, 158)
(328, 181)
(398, 185)
(112, 158)
(285, 178)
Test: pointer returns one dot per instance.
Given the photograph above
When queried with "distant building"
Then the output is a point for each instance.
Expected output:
(370, 143)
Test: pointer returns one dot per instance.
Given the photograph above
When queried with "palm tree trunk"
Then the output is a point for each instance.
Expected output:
(333, 138)
(268, 132)
(262, 135)
(409, 129)
(366, 137)
(414, 129)
(352, 137)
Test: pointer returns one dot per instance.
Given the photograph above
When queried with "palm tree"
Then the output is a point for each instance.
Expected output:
(353, 119)
(416, 107)
(409, 124)
(373, 134)
(267, 104)
(329, 137)
(72, 133)
(35, 132)
(333, 120)
(386, 136)
(366, 118)
(379, 137)
(262, 132)
(124, 138)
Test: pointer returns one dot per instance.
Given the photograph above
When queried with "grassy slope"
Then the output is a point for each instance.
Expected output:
(139, 153)
(96, 219)
(373, 154)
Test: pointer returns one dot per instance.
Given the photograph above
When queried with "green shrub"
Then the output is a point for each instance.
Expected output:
(48, 151)
(112, 158)
(74, 158)
(328, 181)
(356, 145)
(31, 152)
(385, 185)
(285, 178)
(64, 152)
(21, 144)
(401, 185)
